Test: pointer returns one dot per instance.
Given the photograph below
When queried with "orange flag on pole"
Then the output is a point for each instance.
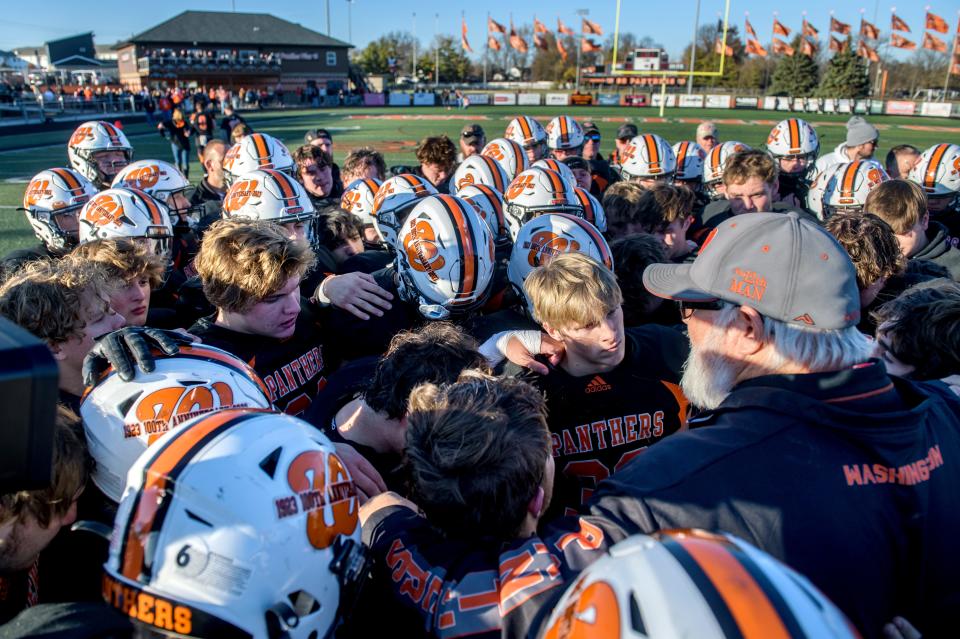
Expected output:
(495, 27)
(867, 30)
(934, 43)
(539, 27)
(780, 29)
(754, 48)
(896, 24)
(779, 46)
(898, 41)
(493, 43)
(749, 29)
(516, 41)
(936, 23)
(810, 30)
(864, 50)
(719, 48)
(539, 42)
(561, 50)
(806, 48)
(837, 45)
(839, 27)
(589, 46)
(591, 27)
(463, 36)
(564, 29)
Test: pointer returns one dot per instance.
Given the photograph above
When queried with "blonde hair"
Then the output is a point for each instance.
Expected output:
(52, 299)
(124, 259)
(242, 262)
(899, 203)
(744, 165)
(572, 291)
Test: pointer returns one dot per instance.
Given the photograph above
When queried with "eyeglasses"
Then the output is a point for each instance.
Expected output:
(594, 136)
(687, 308)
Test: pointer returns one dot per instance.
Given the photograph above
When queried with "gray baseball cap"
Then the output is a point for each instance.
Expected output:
(784, 267)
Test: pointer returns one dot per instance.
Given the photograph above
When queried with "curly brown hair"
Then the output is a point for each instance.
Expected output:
(439, 150)
(871, 245)
(124, 259)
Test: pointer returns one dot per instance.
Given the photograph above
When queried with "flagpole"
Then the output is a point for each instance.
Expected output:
(582, 13)
(953, 53)
(486, 52)
(693, 48)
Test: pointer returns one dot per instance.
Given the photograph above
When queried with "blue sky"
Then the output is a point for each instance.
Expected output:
(26, 24)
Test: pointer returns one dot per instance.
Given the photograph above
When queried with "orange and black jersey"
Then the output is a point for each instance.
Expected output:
(600, 422)
(850, 477)
(295, 369)
(481, 588)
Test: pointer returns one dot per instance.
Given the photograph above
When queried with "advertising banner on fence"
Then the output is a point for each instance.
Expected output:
(671, 99)
(399, 99)
(608, 99)
(844, 105)
(936, 109)
(424, 99)
(479, 98)
(694, 101)
(581, 99)
(769, 103)
(799, 104)
(718, 101)
(900, 107)
(783, 103)
(876, 107)
(747, 103)
(504, 98)
(639, 100)
(373, 99)
(530, 99)
(558, 99)
(829, 105)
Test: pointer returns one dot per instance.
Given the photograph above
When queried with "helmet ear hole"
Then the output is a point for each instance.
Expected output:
(303, 603)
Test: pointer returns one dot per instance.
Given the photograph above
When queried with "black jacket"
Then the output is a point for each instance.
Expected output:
(849, 477)
(941, 249)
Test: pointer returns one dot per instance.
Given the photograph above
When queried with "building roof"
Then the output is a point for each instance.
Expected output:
(221, 27)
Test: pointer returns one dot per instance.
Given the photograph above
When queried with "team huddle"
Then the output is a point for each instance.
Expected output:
(688, 390)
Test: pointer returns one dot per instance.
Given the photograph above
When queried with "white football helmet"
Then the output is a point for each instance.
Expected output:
(938, 171)
(592, 209)
(689, 583)
(480, 169)
(161, 181)
(689, 162)
(563, 132)
(509, 154)
(648, 157)
(266, 194)
(358, 198)
(240, 523)
(794, 139)
(394, 199)
(537, 191)
(713, 166)
(529, 134)
(489, 204)
(445, 257)
(543, 238)
(256, 151)
(121, 419)
(91, 138)
(560, 167)
(844, 187)
(127, 213)
(51, 195)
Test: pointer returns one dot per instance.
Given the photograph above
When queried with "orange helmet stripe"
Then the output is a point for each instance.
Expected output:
(930, 176)
(495, 202)
(556, 181)
(372, 185)
(715, 158)
(849, 179)
(283, 181)
(652, 151)
(525, 128)
(598, 240)
(469, 256)
(793, 126)
(263, 151)
(495, 171)
(751, 608)
(518, 155)
(155, 215)
(159, 477)
(682, 154)
(564, 129)
(69, 178)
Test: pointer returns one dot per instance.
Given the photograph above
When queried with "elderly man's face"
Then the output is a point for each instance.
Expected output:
(710, 373)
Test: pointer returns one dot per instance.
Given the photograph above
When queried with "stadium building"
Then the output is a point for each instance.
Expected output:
(213, 48)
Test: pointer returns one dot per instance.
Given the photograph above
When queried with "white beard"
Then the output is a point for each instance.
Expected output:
(708, 376)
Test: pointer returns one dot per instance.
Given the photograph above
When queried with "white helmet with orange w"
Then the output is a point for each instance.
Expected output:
(129, 213)
(938, 172)
(714, 164)
(592, 209)
(529, 134)
(508, 154)
(163, 182)
(270, 195)
(489, 204)
(256, 151)
(844, 187)
(358, 198)
(240, 523)
(88, 145)
(794, 137)
(689, 163)
(648, 157)
(480, 169)
(121, 419)
(445, 257)
(393, 202)
(691, 583)
(537, 191)
(563, 132)
(52, 200)
(543, 238)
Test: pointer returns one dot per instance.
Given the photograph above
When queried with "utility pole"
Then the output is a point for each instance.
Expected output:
(582, 13)
(693, 48)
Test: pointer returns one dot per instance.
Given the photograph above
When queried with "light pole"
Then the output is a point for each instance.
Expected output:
(414, 50)
(693, 49)
(582, 13)
(328, 18)
(350, 21)
(436, 49)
